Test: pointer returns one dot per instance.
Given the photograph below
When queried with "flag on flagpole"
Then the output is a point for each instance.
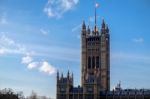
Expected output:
(97, 5)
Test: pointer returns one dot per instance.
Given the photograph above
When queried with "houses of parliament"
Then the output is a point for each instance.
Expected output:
(95, 70)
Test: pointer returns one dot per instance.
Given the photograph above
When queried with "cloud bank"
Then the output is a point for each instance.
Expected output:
(10, 47)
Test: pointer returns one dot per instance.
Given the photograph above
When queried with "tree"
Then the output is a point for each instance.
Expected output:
(33, 96)
(8, 94)
(20, 95)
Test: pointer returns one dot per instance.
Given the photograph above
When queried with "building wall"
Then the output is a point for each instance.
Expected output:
(95, 57)
(94, 66)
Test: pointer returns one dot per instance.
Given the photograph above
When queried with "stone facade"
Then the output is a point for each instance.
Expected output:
(95, 60)
(95, 66)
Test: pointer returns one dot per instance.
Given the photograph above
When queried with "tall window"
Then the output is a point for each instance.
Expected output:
(93, 62)
(89, 62)
(97, 62)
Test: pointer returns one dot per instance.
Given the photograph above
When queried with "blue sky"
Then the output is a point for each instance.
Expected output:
(37, 37)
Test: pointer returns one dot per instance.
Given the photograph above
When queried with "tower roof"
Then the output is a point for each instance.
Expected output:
(103, 24)
(83, 25)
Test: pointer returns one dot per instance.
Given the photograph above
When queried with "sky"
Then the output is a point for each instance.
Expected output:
(39, 37)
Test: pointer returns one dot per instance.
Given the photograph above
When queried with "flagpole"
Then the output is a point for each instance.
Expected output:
(95, 17)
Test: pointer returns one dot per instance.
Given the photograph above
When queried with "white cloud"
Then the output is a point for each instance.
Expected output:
(27, 59)
(49, 12)
(33, 65)
(138, 40)
(9, 46)
(44, 32)
(2, 51)
(55, 8)
(44, 67)
(47, 68)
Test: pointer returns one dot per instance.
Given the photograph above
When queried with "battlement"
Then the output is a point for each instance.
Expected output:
(87, 32)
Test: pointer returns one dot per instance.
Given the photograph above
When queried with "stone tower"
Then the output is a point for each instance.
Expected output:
(95, 60)
(95, 66)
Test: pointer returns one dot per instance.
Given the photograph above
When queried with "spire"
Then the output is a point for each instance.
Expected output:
(68, 74)
(61, 75)
(57, 75)
(88, 30)
(72, 75)
(104, 28)
(120, 84)
(107, 29)
(83, 25)
(103, 24)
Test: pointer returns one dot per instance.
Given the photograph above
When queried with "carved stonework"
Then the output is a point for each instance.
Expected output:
(94, 66)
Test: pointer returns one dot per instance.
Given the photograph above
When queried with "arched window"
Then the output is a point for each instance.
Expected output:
(97, 62)
(93, 62)
(89, 62)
